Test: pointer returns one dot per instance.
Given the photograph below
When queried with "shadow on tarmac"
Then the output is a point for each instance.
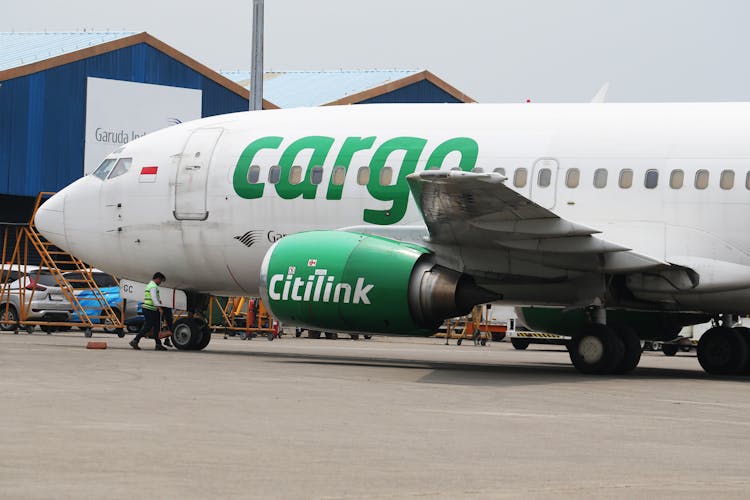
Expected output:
(483, 374)
(472, 374)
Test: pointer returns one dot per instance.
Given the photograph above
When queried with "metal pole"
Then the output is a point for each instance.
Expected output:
(256, 69)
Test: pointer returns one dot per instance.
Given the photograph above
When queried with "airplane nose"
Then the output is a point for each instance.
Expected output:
(50, 222)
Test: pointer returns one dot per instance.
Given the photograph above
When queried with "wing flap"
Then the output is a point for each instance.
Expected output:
(478, 209)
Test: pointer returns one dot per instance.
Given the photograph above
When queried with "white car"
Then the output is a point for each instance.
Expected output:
(43, 299)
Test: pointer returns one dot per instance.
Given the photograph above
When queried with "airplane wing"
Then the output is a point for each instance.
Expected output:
(478, 209)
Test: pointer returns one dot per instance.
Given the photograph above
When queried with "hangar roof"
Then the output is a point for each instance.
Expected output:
(289, 89)
(24, 53)
(19, 49)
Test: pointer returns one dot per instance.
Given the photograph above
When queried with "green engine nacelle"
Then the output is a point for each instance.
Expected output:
(351, 282)
(650, 325)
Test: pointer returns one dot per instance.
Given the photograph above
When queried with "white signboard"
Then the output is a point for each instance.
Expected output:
(118, 112)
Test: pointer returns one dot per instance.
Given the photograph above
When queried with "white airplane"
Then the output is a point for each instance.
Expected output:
(617, 222)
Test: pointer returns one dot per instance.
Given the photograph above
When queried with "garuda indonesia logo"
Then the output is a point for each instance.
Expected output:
(251, 237)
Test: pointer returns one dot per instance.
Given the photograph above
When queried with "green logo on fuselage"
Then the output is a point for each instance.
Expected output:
(402, 154)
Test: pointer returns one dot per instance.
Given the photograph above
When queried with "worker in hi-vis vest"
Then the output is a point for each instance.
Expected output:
(151, 306)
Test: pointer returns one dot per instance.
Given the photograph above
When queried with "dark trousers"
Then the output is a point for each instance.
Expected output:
(167, 317)
(152, 323)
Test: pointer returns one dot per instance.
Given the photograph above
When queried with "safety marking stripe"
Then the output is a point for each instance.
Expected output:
(538, 335)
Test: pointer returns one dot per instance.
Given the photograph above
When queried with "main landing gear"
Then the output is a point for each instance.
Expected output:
(725, 351)
(601, 349)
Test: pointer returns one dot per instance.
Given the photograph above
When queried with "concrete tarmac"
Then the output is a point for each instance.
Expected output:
(405, 418)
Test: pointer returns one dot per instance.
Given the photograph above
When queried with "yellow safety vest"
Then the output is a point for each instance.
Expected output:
(148, 303)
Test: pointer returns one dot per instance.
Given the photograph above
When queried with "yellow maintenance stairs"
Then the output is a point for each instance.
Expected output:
(18, 309)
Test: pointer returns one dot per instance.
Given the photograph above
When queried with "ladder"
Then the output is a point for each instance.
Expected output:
(57, 262)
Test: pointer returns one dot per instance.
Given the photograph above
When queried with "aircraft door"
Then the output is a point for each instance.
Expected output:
(543, 182)
(192, 175)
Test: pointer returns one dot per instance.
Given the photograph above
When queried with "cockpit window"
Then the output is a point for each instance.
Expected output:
(122, 166)
(104, 169)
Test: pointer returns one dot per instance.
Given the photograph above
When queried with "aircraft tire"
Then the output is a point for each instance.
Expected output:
(313, 334)
(723, 351)
(632, 349)
(596, 350)
(745, 332)
(187, 334)
(205, 338)
(520, 344)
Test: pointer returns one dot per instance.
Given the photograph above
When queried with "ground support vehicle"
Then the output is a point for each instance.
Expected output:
(480, 326)
(243, 316)
(316, 334)
(671, 347)
(521, 338)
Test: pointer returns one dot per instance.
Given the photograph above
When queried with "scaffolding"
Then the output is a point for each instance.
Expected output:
(241, 315)
(16, 302)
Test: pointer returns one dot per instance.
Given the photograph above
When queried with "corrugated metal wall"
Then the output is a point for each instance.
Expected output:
(421, 91)
(42, 116)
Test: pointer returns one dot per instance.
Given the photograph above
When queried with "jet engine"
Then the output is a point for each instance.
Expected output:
(351, 282)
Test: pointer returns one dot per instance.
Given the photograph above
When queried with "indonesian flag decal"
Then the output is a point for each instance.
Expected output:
(148, 174)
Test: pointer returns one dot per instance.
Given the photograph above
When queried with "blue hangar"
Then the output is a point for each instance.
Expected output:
(68, 99)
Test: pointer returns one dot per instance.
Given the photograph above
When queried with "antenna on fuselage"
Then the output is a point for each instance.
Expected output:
(256, 65)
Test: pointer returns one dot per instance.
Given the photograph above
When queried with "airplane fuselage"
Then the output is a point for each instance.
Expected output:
(203, 201)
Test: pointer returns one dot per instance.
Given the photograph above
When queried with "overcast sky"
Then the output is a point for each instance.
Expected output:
(493, 50)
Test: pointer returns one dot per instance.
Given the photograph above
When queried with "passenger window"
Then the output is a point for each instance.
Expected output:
(122, 166)
(701, 179)
(500, 170)
(544, 178)
(105, 168)
(274, 174)
(339, 176)
(600, 178)
(295, 175)
(253, 174)
(676, 179)
(363, 176)
(652, 179)
(519, 178)
(386, 176)
(573, 178)
(727, 179)
(626, 178)
(316, 175)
